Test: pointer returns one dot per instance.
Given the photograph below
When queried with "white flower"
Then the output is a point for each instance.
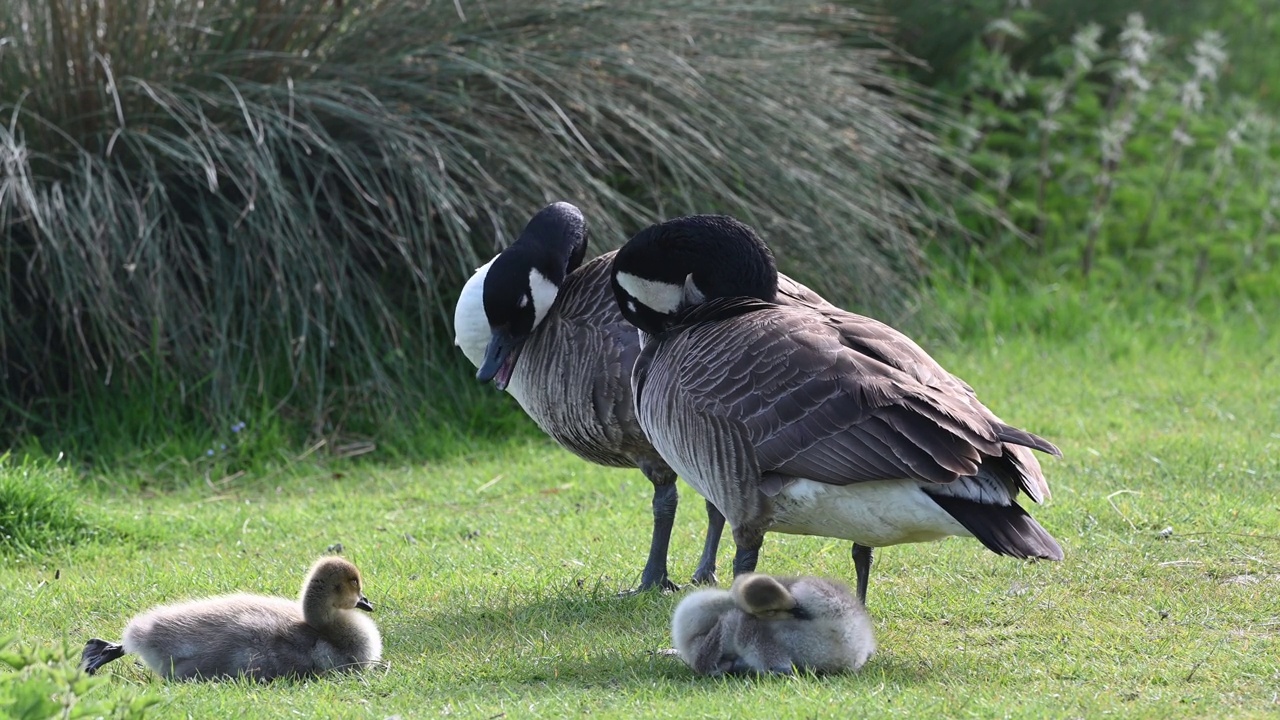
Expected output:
(1085, 47)
(1224, 154)
(1208, 55)
(1132, 74)
(1005, 26)
(1136, 41)
(1112, 137)
(1056, 100)
(1014, 88)
(1191, 96)
(1236, 133)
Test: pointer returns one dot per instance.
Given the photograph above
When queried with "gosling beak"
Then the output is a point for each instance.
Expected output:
(499, 359)
(364, 604)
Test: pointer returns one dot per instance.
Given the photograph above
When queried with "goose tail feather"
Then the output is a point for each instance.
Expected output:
(1016, 436)
(1003, 529)
(98, 653)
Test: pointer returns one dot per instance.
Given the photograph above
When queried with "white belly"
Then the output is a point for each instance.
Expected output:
(869, 513)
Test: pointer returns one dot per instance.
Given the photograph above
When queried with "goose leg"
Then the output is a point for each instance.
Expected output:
(862, 565)
(706, 572)
(665, 500)
(747, 554)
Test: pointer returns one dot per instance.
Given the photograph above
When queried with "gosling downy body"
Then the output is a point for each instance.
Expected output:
(544, 326)
(258, 637)
(803, 418)
(764, 624)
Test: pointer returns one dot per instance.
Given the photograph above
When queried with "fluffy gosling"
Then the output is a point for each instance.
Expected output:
(764, 624)
(258, 637)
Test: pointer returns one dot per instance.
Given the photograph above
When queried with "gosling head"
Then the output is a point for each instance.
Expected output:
(668, 268)
(521, 284)
(763, 597)
(337, 583)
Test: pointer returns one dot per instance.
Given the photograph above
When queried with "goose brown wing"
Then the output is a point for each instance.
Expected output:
(885, 344)
(882, 342)
(797, 294)
(875, 339)
(812, 406)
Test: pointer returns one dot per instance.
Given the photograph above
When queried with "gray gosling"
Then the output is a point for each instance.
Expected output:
(764, 624)
(253, 636)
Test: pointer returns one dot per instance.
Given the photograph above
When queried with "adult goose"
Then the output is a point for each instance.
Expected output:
(808, 419)
(258, 637)
(542, 325)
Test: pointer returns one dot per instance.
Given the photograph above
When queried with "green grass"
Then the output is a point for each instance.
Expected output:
(38, 506)
(494, 571)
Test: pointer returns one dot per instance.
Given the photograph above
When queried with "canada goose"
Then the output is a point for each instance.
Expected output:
(544, 326)
(773, 625)
(258, 637)
(811, 420)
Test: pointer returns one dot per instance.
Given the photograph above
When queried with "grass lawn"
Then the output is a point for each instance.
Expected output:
(495, 572)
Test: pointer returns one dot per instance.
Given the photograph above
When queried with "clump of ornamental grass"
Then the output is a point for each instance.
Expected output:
(244, 207)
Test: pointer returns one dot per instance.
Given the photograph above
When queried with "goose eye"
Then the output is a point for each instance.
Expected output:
(523, 302)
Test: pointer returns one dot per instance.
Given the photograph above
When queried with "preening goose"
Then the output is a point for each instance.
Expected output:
(254, 636)
(773, 625)
(807, 419)
(543, 326)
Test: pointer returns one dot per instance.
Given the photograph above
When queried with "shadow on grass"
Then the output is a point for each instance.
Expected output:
(577, 638)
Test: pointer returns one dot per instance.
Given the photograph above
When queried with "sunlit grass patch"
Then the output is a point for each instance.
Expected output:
(40, 508)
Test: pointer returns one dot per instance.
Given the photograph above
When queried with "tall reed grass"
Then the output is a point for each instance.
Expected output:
(252, 205)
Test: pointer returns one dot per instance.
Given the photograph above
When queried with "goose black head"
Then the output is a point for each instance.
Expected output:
(518, 288)
(673, 266)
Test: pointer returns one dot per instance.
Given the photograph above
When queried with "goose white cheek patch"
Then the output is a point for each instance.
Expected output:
(470, 324)
(659, 296)
(544, 295)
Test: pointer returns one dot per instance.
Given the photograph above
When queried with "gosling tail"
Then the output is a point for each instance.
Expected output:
(98, 653)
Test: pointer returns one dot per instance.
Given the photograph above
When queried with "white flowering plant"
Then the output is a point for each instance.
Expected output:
(1117, 159)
